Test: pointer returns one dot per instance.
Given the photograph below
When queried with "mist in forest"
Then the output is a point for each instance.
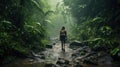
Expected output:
(60, 17)
(28, 25)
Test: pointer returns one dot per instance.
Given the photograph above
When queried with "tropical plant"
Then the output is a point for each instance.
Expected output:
(97, 19)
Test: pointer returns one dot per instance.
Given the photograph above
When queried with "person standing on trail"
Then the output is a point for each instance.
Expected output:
(63, 37)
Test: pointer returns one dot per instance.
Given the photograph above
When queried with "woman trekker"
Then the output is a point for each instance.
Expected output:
(63, 37)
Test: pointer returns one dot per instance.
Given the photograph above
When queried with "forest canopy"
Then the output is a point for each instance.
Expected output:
(25, 25)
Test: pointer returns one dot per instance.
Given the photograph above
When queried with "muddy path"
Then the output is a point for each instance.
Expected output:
(55, 57)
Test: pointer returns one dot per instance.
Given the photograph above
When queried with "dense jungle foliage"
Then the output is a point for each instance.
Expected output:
(22, 27)
(25, 24)
(97, 21)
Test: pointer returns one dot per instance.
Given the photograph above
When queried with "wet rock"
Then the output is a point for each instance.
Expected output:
(76, 44)
(42, 57)
(59, 62)
(105, 60)
(102, 54)
(78, 54)
(31, 60)
(49, 46)
(54, 43)
(87, 49)
(82, 53)
(66, 62)
(34, 54)
(95, 58)
(74, 55)
(41, 53)
(62, 61)
(65, 66)
(90, 58)
(50, 65)
(78, 59)
(78, 65)
(90, 62)
(101, 48)
(91, 54)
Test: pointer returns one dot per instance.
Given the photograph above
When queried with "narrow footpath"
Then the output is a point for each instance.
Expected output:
(75, 55)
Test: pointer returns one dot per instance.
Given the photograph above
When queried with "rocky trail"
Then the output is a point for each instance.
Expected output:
(75, 55)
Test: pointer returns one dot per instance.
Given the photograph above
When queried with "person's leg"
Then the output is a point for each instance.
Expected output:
(62, 45)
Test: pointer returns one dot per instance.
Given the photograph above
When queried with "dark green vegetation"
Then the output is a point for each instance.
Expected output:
(23, 24)
(22, 27)
(98, 22)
